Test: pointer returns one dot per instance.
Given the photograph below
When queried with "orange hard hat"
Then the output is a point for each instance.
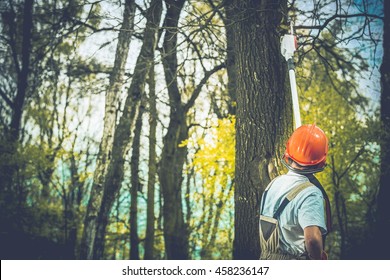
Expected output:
(307, 146)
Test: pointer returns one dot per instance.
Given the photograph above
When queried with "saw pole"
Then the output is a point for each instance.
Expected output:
(288, 47)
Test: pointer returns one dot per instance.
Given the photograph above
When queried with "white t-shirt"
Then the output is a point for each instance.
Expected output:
(306, 209)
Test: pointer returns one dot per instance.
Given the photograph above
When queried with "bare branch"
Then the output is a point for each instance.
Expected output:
(6, 99)
(358, 154)
(336, 16)
(198, 88)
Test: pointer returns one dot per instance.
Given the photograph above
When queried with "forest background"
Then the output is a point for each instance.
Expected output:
(149, 129)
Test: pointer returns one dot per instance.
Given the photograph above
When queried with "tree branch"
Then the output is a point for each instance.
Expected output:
(358, 154)
(336, 16)
(7, 99)
(198, 88)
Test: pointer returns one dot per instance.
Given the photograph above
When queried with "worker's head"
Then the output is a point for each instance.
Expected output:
(306, 150)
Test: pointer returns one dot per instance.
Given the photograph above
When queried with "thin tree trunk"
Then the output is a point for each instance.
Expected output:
(340, 221)
(206, 220)
(188, 195)
(117, 220)
(123, 132)
(116, 79)
(135, 187)
(262, 110)
(73, 203)
(150, 220)
(230, 59)
(220, 206)
(160, 210)
(47, 172)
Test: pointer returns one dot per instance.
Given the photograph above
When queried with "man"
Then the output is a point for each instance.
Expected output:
(293, 221)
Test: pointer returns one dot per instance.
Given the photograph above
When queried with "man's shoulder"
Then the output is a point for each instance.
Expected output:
(290, 179)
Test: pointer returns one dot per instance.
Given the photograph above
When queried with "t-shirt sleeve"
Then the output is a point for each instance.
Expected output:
(311, 212)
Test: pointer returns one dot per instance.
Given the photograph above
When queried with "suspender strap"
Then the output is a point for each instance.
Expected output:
(265, 195)
(290, 196)
(295, 191)
(263, 200)
(317, 183)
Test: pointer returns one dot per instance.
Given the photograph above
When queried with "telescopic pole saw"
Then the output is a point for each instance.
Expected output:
(288, 47)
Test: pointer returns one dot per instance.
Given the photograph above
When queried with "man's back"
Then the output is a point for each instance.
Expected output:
(307, 209)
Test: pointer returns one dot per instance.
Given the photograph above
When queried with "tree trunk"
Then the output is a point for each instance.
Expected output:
(171, 178)
(173, 157)
(382, 222)
(190, 176)
(220, 207)
(12, 134)
(73, 201)
(116, 79)
(263, 108)
(135, 187)
(149, 236)
(123, 132)
(24, 71)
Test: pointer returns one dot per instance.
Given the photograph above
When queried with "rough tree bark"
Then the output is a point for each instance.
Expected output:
(114, 88)
(263, 110)
(123, 132)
